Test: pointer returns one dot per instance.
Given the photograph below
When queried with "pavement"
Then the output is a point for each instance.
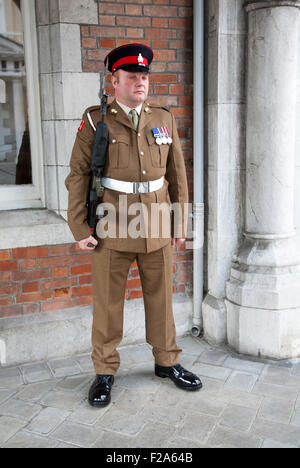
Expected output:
(244, 403)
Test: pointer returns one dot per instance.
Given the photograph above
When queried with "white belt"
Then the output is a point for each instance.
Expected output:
(132, 187)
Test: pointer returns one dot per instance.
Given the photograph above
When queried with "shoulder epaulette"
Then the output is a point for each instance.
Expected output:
(157, 106)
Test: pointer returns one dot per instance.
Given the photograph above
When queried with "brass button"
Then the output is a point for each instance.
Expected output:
(144, 172)
(142, 153)
(114, 141)
(139, 134)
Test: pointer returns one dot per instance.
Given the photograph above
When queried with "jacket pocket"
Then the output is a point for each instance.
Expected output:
(119, 151)
(159, 153)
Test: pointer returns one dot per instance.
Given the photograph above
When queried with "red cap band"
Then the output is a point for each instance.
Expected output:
(131, 59)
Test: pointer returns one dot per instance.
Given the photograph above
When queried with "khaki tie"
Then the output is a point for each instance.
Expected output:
(134, 117)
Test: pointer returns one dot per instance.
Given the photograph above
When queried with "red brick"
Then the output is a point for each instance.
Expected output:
(135, 294)
(82, 291)
(11, 311)
(97, 54)
(134, 32)
(34, 297)
(29, 264)
(59, 250)
(102, 31)
(61, 293)
(182, 22)
(107, 20)
(34, 286)
(161, 89)
(164, 11)
(57, 261)
(80, 270)
(58, 283)
(30, 252)
(31, 275)
(92, 66)
(8, 266)
(9, 289)
(105, 44)
(31, 308)
(5, 277)
(85, 31)
(134, 272)
(133, 21)
(111, 8)
(165, 55)
(60, 304)
(160, 34)
(133, 283)
(176, 89)
(160, 22)
(5, 301)
(4, 255)
(86, 279)
(164, 78)
(181, 111)
(160, 44)
(120, 42)
(60, 272)
(82, 259)
(133, 10)
(85, 300)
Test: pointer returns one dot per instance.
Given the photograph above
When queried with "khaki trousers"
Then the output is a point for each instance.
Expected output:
(110, 272)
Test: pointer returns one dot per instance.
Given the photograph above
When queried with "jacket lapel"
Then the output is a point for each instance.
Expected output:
(119, 115)
(145, 116)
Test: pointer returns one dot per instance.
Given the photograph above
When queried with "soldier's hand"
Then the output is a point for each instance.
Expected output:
(178, 242)
(88, 244)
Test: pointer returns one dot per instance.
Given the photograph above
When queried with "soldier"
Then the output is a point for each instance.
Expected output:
(143, 149)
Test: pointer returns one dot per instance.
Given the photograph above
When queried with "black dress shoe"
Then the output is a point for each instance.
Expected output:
(180, 376)
(99, 394)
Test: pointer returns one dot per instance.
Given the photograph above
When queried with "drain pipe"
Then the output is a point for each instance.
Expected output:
(198, 205)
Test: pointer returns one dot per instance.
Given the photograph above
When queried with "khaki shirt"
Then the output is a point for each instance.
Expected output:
(133, 156)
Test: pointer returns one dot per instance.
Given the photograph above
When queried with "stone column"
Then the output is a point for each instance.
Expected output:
(263, 292)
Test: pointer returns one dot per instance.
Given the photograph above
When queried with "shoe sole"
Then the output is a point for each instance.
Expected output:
(189, 389)
(99, 405)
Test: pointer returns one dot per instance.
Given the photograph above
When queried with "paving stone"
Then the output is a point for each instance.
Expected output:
(139, 377)
(212, 405)
(6, 394)
(272, 444)
(237, 417)
(245, 399)
(10, 377)
(76, 434)
(197, 427)
(64, 367)
(244, 365)
(25, 439)
(135, 355)
(19, 409)
(213, 356)
(296, 419)
(280, 391)
(61, 400)
(113, 440)
(214, 372)
(241, 381)
(74, 384)
(47, 420)
(179, 442)
(121, 422)
(223, 437)
(276, 409)
(36, 373)
(154, 436)
(284, 433)
(35, 392)
(9, 427)
(191, 345)
(279, 376)
(162, 413)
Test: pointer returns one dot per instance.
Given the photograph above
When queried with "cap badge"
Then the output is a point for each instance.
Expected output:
(140, 58)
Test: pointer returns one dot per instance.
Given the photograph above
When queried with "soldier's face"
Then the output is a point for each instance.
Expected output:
(131, 88)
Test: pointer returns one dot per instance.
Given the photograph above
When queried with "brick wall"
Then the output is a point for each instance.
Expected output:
(42, 279)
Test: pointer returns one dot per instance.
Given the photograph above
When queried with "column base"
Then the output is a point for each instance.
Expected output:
(272, 334)
(214, 320)
(263, 299)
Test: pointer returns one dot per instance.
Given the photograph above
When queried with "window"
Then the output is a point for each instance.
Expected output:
(21, 179)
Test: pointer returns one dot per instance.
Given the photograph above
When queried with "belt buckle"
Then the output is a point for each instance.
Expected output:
(141, 187)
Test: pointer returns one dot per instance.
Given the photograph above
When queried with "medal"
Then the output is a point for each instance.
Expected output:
(157, 135)
(169, 139)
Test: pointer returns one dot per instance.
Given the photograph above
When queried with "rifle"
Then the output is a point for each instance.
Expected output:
(96, 189)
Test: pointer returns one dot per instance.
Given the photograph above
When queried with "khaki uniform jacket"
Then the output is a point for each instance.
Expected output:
(133, 156)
